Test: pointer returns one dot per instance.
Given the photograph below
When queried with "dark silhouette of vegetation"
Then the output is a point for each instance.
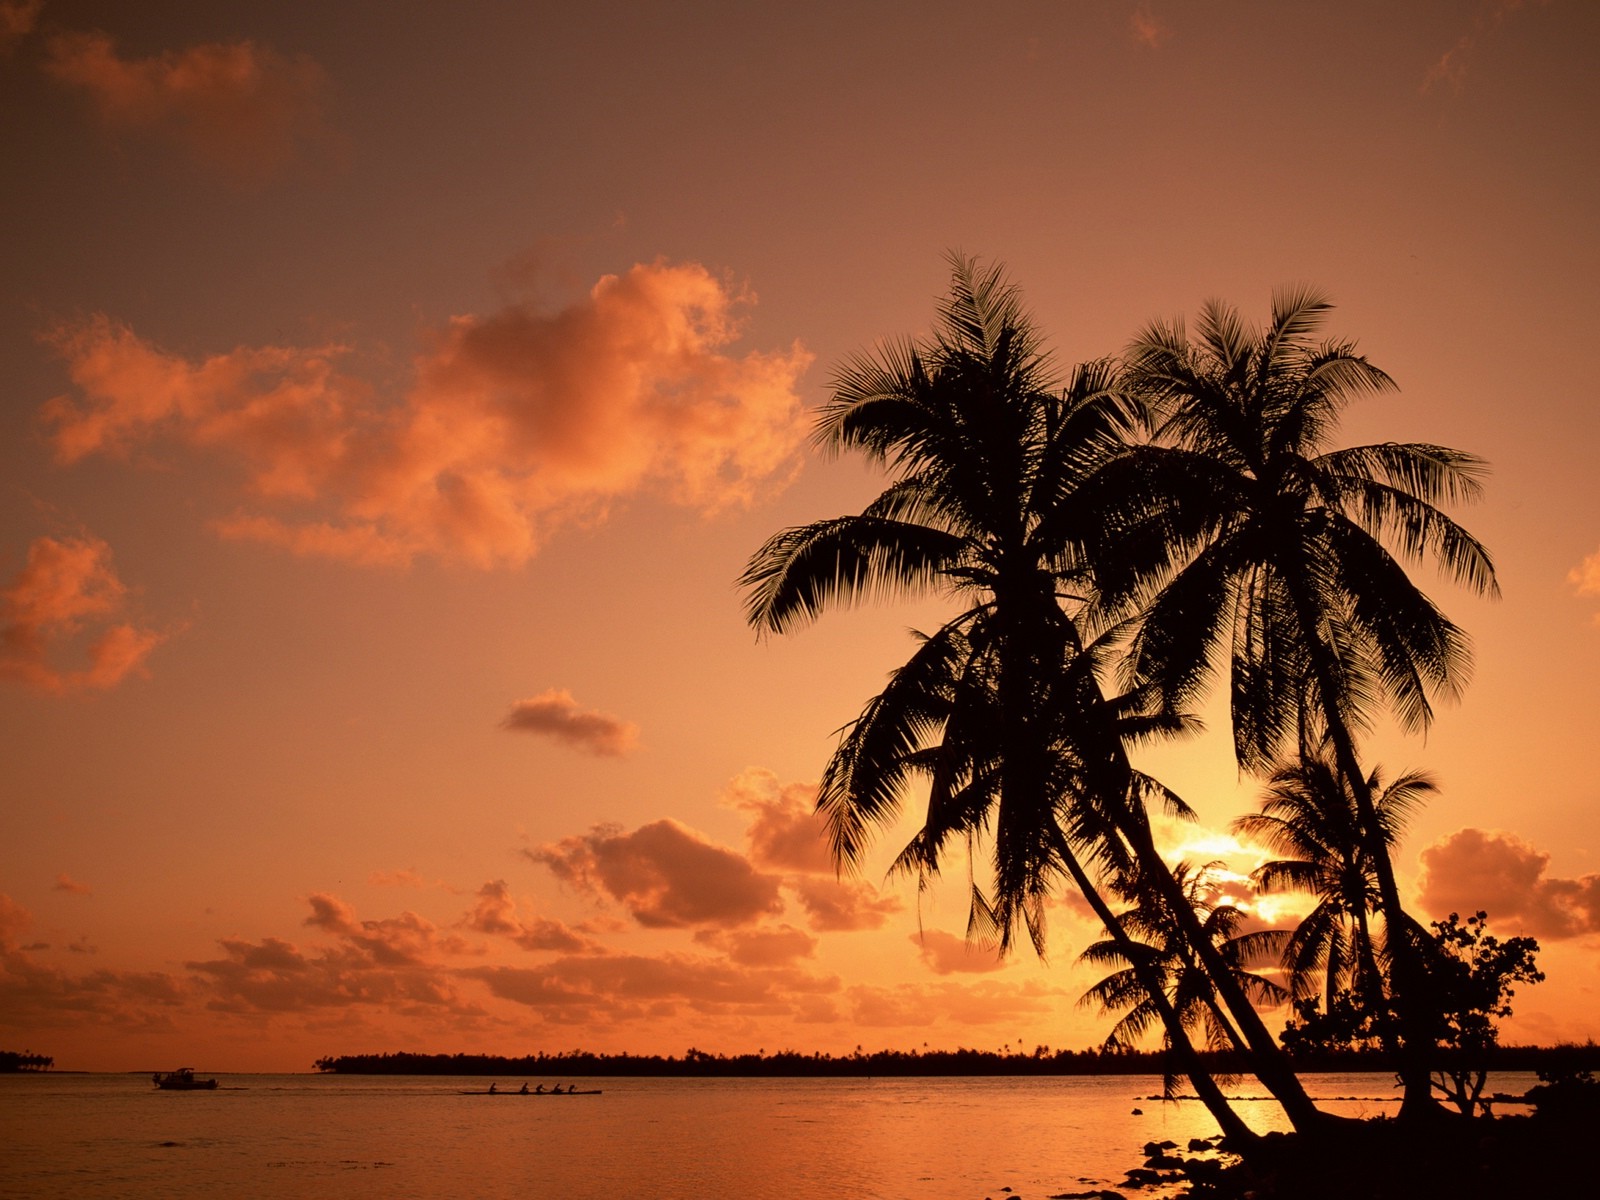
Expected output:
(1237, 531)
(1108, 544)
(1001, 710)
(1041, 1061)
(11, 1061)
(1310, 815)
(1470, 979)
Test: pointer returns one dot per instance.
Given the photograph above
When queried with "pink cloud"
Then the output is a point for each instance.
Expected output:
(960, 1005)
(17, 20)
(1452, 66)
(274, 975)
(238, 107)
(516, 424)
(496, 913)
(1473, 869)
(760, 947)
(555, 714)
(785, 831)
(406, 940)
(1585, 578)
(35, 996)
(634, 987)
(946, 954)
(14, 920)
(68, 591)
(404, 877)
(65, 883)
(1148, 29)
(841, 905)
(667, 876)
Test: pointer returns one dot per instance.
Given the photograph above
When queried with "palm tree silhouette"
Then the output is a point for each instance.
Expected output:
(1000, 709)
(1309, 816)
(1238, 530)
(1187, 984)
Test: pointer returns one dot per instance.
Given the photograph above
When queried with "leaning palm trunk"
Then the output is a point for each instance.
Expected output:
(1268, 1062)
(1233, 1127)
(1415, 1050)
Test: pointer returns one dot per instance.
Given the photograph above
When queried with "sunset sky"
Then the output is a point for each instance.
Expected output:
(393, 392)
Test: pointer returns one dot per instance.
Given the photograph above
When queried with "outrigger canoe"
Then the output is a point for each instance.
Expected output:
(520, 1092)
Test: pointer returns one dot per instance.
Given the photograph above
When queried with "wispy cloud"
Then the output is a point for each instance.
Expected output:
(240, 107)
(1585, 578)
(844, 905)
(1452, 67)
(18, 18)
(1148, 29)
(69, 591)
(555, 714)
(516, 424)
(946, 954)
(65, 883)
(785, 831)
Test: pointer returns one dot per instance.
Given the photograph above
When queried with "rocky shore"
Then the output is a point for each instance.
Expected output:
(1485, 1159)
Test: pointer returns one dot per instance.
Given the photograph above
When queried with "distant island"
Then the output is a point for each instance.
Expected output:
(793, 1064)
(11, 1061)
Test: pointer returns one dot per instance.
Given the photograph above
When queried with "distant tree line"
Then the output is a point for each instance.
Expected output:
(27, 1060)
(792, 1064)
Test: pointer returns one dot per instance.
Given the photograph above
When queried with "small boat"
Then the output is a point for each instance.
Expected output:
(182, 1080)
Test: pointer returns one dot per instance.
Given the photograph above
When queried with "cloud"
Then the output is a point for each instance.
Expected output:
(404, 877)
(959, 1005)
(1452, 66)
(946, 954)
(35, 996)
(1148, 29)
(1473, 869)
(1585, 578)
(65, 883)
(667, 876)
(14, 920)
(842, 905)
(274, 975)
(636, 987)
(17, 20)
(554, 713)
(68, 589)
(496, 913)
(760, 947)
(515, 424)
(785, 831)
(238, 107)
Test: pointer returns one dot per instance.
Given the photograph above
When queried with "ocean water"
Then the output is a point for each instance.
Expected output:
(283, 1136)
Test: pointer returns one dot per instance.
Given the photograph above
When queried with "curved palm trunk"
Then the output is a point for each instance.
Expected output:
(1268, 1061)
(1416, 1039)
(1205, 1086)
(1023, 772)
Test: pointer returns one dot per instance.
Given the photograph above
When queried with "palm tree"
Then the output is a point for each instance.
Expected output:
(997, 708)
(1238, 529)
(1309, 816)
(1185, 981)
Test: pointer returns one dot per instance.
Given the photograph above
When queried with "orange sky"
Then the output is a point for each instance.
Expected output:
(393, 392)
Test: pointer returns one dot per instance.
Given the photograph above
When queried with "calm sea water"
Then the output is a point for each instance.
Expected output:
(282, 1136)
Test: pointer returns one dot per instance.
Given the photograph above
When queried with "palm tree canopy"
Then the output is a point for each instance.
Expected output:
(1241, 530)
(1000, 708)
(1310, 817)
